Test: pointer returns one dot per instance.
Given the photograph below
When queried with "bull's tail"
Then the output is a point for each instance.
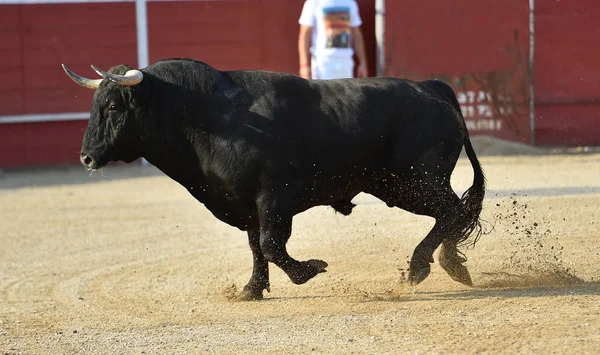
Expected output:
(472, 199)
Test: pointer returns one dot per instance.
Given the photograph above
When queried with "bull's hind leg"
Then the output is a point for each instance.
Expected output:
(430, 196)
(443, 205)
(422, 186)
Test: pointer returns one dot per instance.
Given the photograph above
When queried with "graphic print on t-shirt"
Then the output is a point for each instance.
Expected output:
(337, 27)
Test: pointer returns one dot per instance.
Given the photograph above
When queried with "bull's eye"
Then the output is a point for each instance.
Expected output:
(112, 108)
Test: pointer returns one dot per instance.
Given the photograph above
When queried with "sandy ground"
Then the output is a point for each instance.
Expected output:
(109, 264)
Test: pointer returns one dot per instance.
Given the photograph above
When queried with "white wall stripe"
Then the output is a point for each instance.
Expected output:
(45, 117)
(380, 36)
(141, 21)
(142, 32)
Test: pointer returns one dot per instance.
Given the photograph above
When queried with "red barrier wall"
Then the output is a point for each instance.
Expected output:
(567, 72)
(35, 40)
(479, 47)
(11, 59)
(482, 49)
(41, 143)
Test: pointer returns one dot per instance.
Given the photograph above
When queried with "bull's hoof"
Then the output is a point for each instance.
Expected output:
(457, 271)
(253, 292)
(418, 274)
(460, 274)
(307, 270)
(248, 294)
(452, 263)
(419, 267)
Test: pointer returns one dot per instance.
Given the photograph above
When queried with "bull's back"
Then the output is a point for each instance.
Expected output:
(392, 116)
(374, 108)
(333, 123)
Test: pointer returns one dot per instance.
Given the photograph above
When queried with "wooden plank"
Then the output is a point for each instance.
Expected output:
(567, 51)
(10, 40)
(213, 14)
(40, 144)
(51, 16)
(13, 146)
(73, 99)
(12, 80)
(10, 17)
(567, 78)
(213, 32)
(568, 125)
(101, 57)
(12, 102)
(182, 33)
(90, 36)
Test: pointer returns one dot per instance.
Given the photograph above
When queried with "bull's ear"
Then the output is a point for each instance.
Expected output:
(138, 94)
(130, 78)
(120, 69)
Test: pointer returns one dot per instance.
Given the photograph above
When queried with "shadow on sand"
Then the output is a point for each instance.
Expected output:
(503, 285)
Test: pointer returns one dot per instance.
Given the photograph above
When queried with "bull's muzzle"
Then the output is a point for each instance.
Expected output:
(87, 161)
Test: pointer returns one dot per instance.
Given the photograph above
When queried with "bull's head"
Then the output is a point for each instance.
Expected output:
(114, 127)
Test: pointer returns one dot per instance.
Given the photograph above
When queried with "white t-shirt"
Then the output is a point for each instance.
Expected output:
(331, 21)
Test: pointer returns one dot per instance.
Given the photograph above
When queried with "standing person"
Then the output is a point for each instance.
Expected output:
(330, 34)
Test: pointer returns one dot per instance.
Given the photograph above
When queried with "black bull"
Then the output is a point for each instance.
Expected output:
(257, 148)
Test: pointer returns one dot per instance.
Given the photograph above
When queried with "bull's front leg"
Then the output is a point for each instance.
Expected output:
(259, 280)
(275, 216)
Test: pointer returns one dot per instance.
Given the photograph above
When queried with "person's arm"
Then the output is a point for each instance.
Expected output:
(359, 48)
(304, 43)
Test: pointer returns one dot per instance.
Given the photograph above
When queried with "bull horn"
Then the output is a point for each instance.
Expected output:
(132, 77)
(85, 82)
